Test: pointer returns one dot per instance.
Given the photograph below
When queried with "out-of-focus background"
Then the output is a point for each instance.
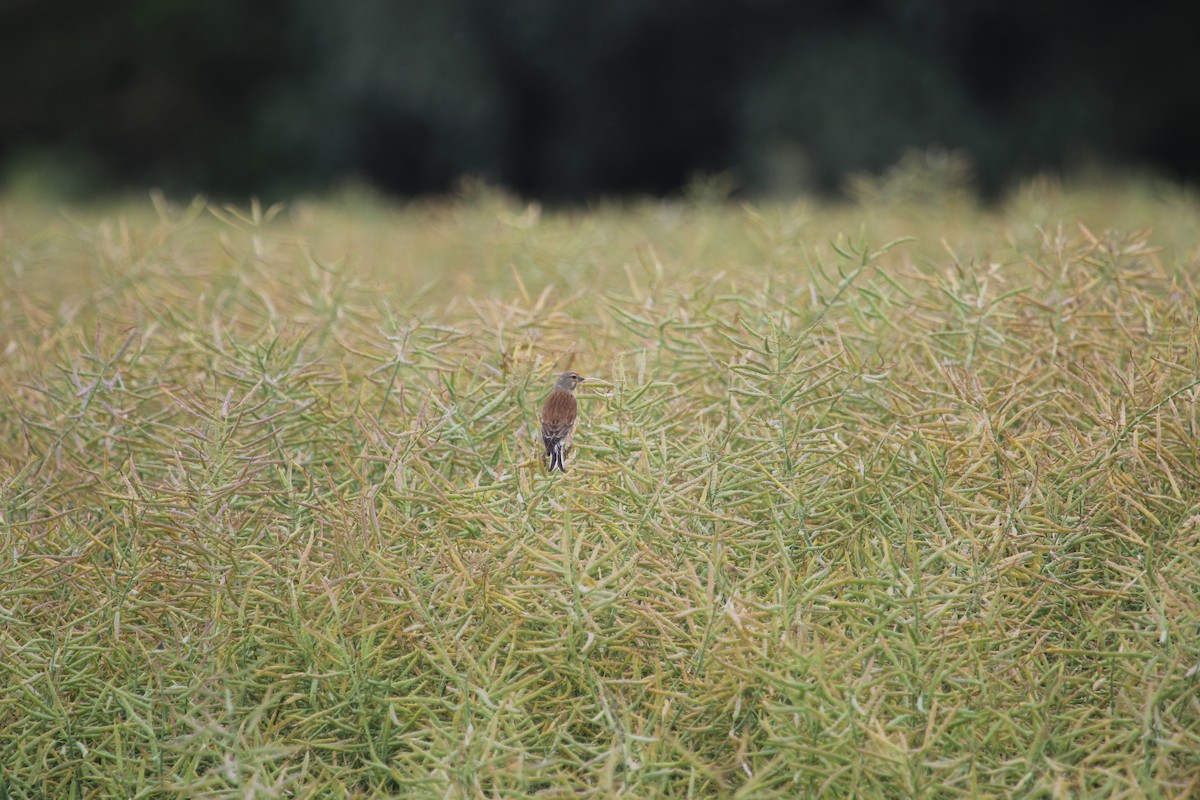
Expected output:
(566, 100)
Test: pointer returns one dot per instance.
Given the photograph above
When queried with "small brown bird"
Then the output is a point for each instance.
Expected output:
(558, 420)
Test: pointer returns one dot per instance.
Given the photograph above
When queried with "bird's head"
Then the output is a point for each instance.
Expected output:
(568, 381)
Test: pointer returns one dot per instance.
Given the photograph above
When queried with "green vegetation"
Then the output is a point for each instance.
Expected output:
(879, 500)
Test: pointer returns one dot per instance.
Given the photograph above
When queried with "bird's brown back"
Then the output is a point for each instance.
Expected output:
(558, 413)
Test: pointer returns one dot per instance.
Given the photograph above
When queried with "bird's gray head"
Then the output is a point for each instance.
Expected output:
(568, 381)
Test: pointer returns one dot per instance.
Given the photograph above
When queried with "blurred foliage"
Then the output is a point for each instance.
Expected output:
(924, 178)
(565, 99)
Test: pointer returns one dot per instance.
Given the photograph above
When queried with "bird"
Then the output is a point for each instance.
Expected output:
(558, 420)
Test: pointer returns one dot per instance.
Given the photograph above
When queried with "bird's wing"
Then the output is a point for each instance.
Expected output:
(555, 431)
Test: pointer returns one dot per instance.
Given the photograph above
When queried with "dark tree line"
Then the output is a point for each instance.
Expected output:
(565, 99)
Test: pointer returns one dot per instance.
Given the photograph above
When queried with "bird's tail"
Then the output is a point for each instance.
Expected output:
(555, 457)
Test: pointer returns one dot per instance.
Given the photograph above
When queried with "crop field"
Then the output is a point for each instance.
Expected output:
(895, 497)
